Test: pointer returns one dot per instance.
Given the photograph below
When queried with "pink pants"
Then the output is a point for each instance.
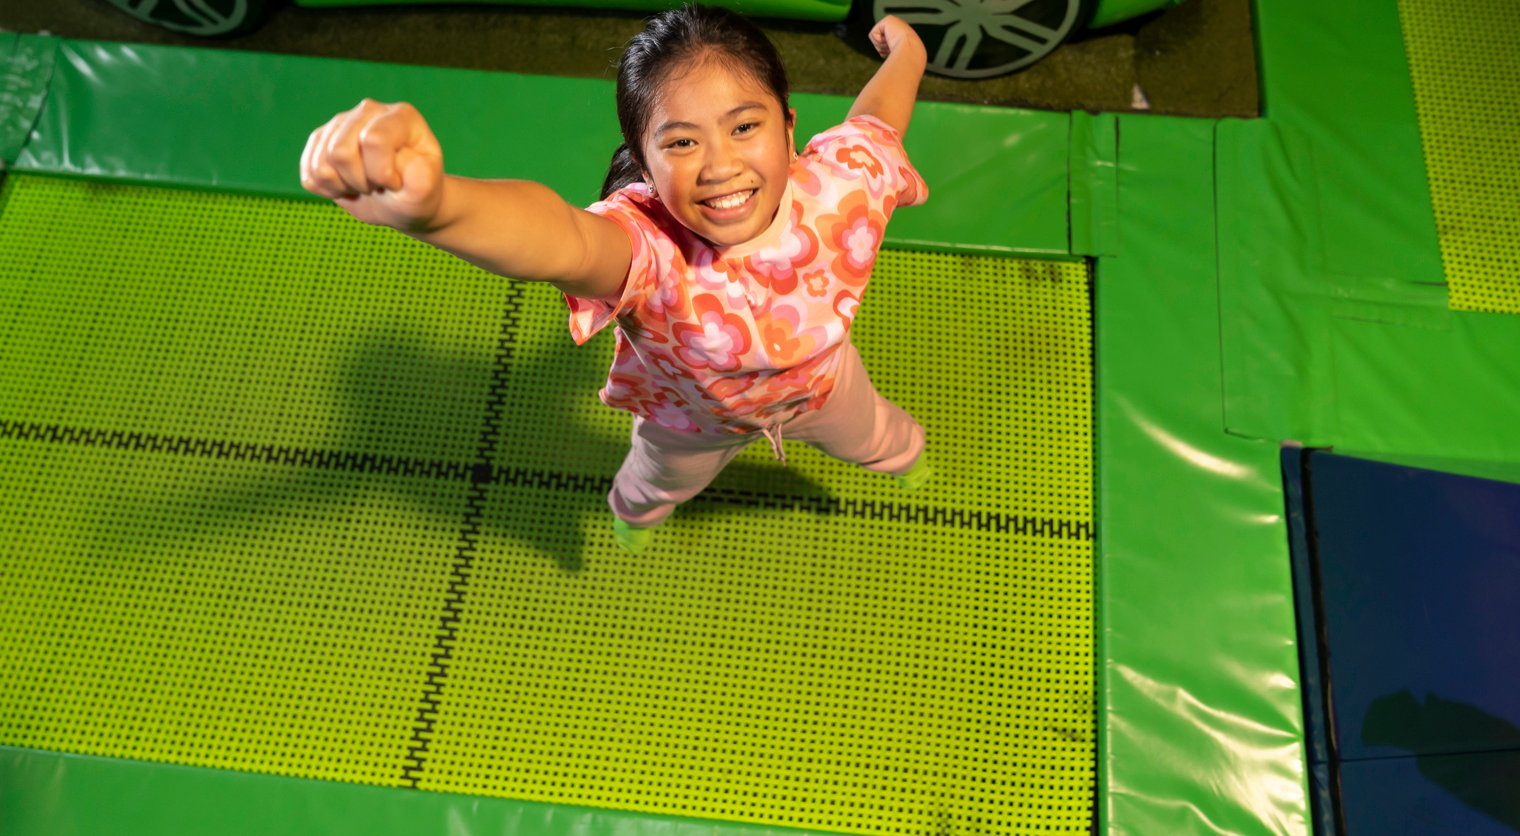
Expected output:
(666, 467)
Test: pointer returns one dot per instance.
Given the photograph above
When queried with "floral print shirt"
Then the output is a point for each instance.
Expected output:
(742, 338)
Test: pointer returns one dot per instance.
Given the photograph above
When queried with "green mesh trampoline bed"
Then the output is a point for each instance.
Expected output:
(304, 523)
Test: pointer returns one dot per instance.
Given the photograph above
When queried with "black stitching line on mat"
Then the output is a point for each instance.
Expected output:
(824, 506)
(236, 451)
(464, 553)
(871, 509)
(547, 479)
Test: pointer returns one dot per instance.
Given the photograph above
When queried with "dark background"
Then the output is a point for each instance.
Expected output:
(1196, 59)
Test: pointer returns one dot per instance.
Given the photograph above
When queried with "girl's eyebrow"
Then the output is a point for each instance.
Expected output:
(688, 126)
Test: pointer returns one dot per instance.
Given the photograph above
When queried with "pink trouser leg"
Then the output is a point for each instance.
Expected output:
(858, 425)
(665, 468)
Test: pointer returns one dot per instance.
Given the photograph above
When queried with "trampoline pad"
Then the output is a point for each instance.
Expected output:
(284, 493)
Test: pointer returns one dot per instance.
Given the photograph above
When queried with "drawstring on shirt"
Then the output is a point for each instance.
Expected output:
(773, 434)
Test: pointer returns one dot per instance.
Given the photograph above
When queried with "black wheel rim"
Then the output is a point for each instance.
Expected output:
(194, 17)
(985, 38)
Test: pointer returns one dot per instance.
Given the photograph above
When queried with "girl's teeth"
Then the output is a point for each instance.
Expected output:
(732, 201)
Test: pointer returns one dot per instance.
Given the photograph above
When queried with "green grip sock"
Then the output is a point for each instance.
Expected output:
(918, 475)
(633, 540)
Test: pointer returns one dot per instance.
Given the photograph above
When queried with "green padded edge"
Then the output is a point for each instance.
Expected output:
(1335, 323)
(1094, 175)
(26, 68)
(75, 795)
(1331, 327)
(121, 112)
(1200, 727)
(1336, 72)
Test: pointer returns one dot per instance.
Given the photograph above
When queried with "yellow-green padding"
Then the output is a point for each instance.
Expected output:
(282, 493)
(1465, 60)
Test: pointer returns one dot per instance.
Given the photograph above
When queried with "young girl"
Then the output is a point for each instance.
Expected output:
(732, 265)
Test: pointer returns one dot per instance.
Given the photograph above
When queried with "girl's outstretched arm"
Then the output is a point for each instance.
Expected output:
(890, 94)
(382, 164)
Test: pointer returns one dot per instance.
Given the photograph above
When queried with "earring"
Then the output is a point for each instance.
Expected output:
(653, 192)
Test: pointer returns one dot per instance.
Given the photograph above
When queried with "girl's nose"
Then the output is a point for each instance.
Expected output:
(721, 162)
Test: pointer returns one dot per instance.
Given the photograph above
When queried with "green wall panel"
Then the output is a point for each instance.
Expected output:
(123, 112)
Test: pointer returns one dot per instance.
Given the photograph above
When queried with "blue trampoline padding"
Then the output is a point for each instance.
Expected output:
(1433, 795)
(1322, 786)
(1420, 575)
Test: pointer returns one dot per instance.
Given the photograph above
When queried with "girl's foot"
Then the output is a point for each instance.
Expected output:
(917, 476)
(633, 540)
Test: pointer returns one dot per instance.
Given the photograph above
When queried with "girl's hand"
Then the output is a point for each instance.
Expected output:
(380, 162)
(891, 34)
(892, 91)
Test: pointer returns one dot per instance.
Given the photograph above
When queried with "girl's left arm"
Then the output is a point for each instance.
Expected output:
(890, 94)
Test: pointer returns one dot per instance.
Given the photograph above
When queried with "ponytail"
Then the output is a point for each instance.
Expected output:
(623, 171)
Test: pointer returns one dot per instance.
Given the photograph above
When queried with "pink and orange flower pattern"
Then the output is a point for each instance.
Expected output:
(733, 341)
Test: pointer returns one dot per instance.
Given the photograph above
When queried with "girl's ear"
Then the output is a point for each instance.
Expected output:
(791, 130)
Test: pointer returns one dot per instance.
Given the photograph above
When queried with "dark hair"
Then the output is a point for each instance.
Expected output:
(668, 41)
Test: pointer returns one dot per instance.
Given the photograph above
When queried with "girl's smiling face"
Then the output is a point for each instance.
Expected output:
(718, 150)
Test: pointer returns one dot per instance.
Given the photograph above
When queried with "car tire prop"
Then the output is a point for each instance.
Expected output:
(986, 38)
(195, 17)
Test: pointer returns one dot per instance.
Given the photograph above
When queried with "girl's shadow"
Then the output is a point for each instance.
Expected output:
(410, 413)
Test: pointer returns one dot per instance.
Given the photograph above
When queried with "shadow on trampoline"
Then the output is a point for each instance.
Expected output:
(386, 380)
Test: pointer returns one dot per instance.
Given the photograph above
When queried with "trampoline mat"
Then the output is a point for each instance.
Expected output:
(1462, 56)
(283, 493)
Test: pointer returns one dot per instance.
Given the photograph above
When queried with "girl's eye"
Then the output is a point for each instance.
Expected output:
(681, 143)
(746, 128)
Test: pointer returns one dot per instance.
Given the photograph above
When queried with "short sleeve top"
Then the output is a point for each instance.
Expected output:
(737, 339)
